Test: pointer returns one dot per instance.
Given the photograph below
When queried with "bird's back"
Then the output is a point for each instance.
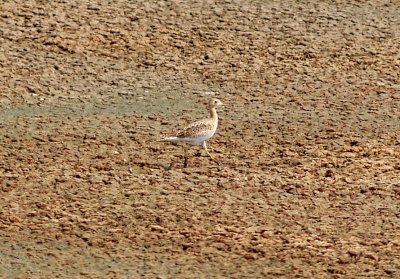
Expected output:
(199, 131)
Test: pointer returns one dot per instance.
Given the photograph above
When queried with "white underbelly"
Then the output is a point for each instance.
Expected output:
(199, 139)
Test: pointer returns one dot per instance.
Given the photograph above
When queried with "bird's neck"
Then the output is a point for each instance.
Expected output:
(213, 113)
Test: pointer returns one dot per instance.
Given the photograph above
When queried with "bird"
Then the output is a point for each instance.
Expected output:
(199, 132)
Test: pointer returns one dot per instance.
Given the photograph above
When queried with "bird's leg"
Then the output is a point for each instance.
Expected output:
(185, 163)
(208, 153)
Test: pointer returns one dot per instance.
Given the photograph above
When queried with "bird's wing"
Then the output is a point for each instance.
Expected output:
(195, 128)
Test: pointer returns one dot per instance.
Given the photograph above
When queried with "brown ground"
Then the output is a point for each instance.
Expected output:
(309, 139)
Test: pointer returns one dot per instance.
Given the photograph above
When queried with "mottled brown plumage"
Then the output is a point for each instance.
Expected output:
(196, 128)
(198, 132)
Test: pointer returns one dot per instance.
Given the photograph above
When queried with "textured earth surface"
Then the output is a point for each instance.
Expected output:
(309, 139)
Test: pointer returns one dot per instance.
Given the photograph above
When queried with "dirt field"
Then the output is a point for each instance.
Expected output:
(309, 139)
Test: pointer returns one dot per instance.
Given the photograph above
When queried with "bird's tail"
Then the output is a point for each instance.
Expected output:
(170, 139)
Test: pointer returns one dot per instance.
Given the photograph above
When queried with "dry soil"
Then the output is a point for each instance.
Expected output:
(309, 139)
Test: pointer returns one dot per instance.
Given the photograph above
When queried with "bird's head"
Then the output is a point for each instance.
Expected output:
(215, 103)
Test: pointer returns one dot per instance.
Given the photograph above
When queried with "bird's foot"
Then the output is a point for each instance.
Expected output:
(216, 161)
